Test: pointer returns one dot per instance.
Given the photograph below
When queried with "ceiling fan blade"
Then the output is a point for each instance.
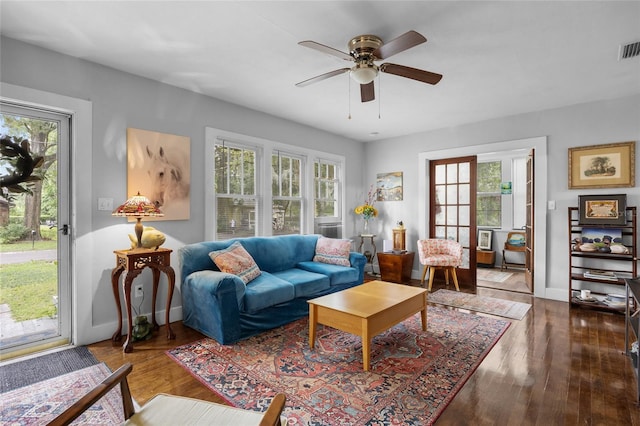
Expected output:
(322, 77)
(326, 49)
(367, 92)
(399, 44)
(412, 73)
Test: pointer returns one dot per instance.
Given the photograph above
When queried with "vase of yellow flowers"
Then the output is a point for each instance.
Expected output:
(366, 210)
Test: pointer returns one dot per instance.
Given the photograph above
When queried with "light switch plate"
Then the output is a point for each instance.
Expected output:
(551, 205)
(105, 204)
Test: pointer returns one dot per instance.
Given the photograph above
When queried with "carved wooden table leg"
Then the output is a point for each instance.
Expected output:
(171, 280)
(156, 280)
(126, 289)
(115, 279)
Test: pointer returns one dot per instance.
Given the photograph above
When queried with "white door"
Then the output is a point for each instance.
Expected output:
(35, 305)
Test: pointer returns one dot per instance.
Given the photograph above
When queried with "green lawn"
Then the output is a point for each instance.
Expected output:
(28, 288)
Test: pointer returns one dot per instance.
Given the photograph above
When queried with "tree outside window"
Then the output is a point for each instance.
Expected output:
(489, 198)
(286, 177)
(326, 189)
(235, 188)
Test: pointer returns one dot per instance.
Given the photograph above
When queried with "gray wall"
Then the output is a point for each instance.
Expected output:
(122, 100)
(607, 121)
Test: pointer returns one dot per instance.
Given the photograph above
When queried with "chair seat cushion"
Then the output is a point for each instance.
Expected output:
(177, 410)
(440, 260)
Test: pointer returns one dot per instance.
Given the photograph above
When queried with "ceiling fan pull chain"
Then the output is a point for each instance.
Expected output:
(349, 98)
(379, 95)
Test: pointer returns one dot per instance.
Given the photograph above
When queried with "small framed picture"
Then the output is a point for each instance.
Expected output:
(603, 209)
(484, 239)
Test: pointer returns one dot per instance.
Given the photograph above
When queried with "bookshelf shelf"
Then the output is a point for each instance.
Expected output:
(601, 273)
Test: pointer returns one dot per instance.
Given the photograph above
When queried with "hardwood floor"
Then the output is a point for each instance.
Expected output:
(557, 366)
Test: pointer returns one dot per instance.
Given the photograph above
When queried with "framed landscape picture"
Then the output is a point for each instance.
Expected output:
(603, 209)
(602, 166)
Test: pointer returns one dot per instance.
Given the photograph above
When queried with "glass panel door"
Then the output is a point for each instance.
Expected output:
(34, 262)
(453, 209)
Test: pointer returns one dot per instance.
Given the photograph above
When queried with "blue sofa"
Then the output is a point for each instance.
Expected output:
(221, 306)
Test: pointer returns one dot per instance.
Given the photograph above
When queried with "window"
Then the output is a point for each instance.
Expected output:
(256, 187)
(235, 189)
(326, 189)
(489, 199)
(286, 190)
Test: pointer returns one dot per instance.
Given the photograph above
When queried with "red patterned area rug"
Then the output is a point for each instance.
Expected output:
(41, 402)
(414, 374)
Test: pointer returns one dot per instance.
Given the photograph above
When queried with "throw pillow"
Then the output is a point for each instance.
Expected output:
(236, 260)
(332, 250)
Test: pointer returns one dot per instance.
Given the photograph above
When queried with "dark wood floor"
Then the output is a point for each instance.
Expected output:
(557, 366)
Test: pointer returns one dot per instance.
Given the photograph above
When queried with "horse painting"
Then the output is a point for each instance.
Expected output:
(159, 168)
(169, 176)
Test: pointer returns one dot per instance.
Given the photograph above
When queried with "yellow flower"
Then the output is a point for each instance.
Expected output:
(359, 210)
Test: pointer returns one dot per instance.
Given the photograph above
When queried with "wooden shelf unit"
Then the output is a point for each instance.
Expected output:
(632, 323)
(624, 266)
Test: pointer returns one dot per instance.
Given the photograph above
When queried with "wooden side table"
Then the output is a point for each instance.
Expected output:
(134, 261)
(396, 267)
(486, 258)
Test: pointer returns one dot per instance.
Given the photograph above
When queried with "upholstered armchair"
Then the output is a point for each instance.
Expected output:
(440, 254)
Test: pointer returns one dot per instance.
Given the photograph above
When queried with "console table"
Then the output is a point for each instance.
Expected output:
(134, 261)
(372, 256)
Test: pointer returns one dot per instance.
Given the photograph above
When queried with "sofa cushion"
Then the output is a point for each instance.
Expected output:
(337, 274)
(305, 283)
(333, 251)
(266, 290)
(236, 260)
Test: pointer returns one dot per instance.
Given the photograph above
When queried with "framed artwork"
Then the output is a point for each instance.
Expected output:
(389, 186)
(602, 166)
(602, 209)
(484, 239)
(158, 166)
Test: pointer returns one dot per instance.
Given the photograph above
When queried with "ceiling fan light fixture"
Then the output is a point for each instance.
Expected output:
(364, 73)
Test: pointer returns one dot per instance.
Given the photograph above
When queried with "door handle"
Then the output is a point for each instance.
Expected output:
(64, 229)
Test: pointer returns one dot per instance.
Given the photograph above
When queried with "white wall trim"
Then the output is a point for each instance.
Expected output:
(81, 242)
(540, 226)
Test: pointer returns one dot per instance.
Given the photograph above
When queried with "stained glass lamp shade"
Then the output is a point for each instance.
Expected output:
(138, 206)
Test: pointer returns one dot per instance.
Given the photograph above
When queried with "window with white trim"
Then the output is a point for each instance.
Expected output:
(287, 193)
(489, 199)
(327, 187)
(257, 187)
(236, 183)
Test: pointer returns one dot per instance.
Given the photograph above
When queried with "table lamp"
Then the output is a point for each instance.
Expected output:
(138, 206)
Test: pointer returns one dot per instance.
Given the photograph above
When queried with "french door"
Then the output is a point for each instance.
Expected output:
(529, 225)
(452, 215)
(35, 259)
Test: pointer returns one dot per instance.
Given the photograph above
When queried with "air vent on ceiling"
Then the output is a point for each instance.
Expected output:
(629, 50)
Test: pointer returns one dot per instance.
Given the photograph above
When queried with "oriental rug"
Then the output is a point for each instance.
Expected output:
(413, 377)
(484, 304)
(41, 402)
(492, 275)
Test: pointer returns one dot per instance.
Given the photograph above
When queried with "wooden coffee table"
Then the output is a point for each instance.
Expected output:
(367, 310)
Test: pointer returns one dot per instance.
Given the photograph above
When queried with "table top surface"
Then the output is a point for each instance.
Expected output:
(369, 298)
(142, 251)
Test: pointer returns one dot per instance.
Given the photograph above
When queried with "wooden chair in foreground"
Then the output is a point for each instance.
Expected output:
(438, 253)
(171, 409)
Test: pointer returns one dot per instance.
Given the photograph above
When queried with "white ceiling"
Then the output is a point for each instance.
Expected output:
(498, 58)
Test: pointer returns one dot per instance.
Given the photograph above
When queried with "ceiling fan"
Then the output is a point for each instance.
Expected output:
(364, 50)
